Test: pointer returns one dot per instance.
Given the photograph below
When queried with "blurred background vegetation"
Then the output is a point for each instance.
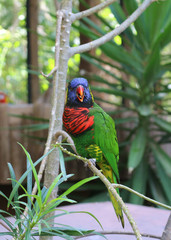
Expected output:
(130, 78)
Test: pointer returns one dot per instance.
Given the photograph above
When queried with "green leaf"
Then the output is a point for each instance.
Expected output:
(137, 148)
(28, 117)
(164, 180)
(116, 92)
(29, 183)
(33, 170)
(163, 124)
(24, 176)
(139, 182)
(52, 186)
(162, 157)
(156, 188)
(77, 185)
(144, 110)
(90, 215)
(7, 234)
(9, 224)
(62, 164)
(17, 213)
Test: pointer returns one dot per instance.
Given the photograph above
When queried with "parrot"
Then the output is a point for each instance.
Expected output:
(93, 132)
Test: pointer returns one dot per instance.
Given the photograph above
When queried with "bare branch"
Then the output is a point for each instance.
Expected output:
(90, 11)
(119, 233)
(65, 135)
(141, 195)
(107, 37)
(51, 72)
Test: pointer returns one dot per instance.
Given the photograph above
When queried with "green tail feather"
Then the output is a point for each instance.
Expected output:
(117, 208)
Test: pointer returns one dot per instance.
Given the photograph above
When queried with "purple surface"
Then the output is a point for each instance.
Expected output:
(149, 220)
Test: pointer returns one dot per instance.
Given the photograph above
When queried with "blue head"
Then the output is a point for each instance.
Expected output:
(79, 93)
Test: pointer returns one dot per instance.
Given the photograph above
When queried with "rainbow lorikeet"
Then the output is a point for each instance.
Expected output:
(93, 132)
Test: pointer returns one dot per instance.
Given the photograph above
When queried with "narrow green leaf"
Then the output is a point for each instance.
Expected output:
(10, 225)
(25, 175)
(117, 92)
(62, 164)
(139, 182)
(16, 204)
(28, 117)
(33, 169)
(156, 188)
(29, 183)
(137, 148)
(90, 215)
(164, 180)
(7, 234)
(77, 185)
(51, 188)
(163, 124)
(162, 157)
(32, 127)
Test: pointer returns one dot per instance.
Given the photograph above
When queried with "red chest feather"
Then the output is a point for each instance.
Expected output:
(76, 120)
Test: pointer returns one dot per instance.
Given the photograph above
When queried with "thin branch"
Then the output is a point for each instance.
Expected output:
(51, 72)
(141, 195)
(109, 187)
(107, 37)
(90, 11)
(119, 233)
(66, 136)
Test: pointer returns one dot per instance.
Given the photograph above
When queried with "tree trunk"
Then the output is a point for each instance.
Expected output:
(32, 50)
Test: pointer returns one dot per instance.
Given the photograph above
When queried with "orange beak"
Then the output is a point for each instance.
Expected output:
(80, 93)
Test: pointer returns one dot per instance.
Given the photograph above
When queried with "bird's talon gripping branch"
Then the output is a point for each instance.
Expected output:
(93, 161)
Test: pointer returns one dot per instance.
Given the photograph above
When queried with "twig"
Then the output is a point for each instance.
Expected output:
(119, 233)
(115, 185)
(68, 138)
(90, 11)
(109, 187)
(51, 72)
(107, 37)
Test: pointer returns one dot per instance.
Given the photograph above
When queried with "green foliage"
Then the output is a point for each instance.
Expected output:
(35, 223)
(12, 49)
(144, 58)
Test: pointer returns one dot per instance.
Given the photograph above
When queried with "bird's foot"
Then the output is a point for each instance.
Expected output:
(92, 160)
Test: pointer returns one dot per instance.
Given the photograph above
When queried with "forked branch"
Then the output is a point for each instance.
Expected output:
(107, 37)
(90, 11)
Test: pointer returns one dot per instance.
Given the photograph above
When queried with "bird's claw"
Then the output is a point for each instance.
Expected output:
(92, 160)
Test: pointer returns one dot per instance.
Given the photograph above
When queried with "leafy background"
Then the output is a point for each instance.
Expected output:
(130, 78)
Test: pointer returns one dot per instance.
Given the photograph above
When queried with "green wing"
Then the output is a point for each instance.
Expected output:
(105, 137)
